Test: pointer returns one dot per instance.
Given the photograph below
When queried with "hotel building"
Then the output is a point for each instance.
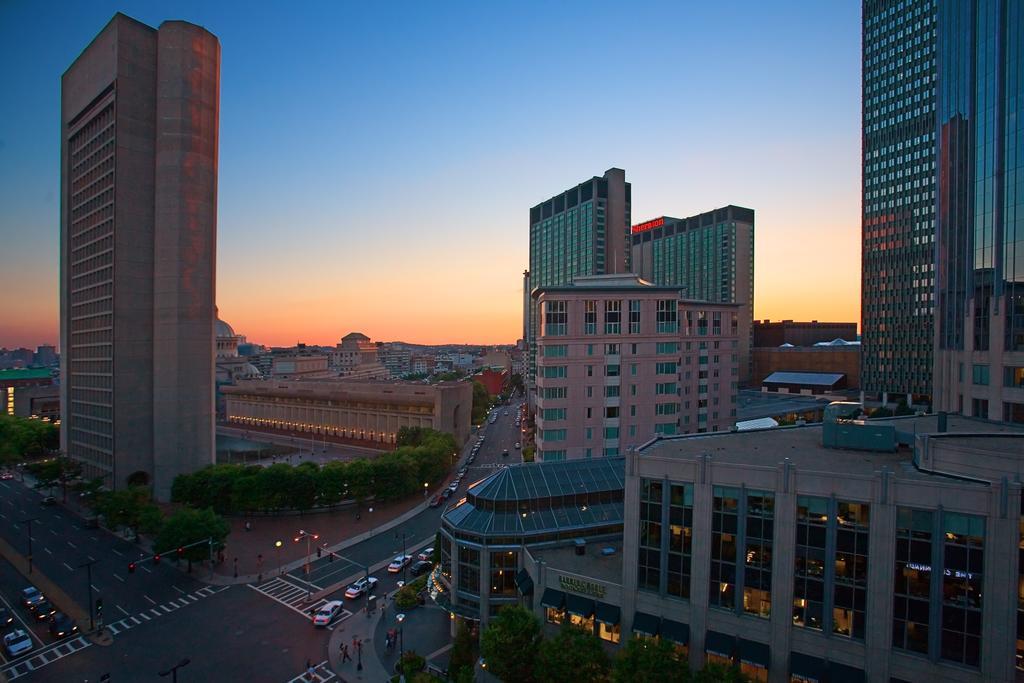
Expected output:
(582, 231)
(620, 360)
(709, 257)
(139, 135)
(881, 550)
(367, 412)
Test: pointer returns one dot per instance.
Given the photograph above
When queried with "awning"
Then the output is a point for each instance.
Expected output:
(552, 598)
(841, 673)
(676, 632)
(646, 624)
(608, 614)
(719, 644)
(753, 652)
(579, 605)
(807, 667)
(523, 582)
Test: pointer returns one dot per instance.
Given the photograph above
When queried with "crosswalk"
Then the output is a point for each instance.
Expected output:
(293, 597)
(48, 655)
(165, 608)
(323, 674)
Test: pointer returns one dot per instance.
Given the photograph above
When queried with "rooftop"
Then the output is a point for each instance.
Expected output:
(594, 565)
(549, 479)
(824, 379)
(26, 373)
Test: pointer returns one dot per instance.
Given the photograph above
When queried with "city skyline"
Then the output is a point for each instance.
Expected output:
(410, 181)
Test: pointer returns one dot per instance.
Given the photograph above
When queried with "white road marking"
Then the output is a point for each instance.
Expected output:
(48, 551)
(118, 578)
(145, 569)
(72, 544)
(121, 609)
(70, 568)
(119, 554)
(151, 600)
(178, 589)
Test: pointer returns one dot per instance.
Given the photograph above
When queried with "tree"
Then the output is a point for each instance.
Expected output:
(515, 383)
(510, 644)
(189, 526)
(645, 660)
(481, 402)
(573, 654)
(128, 507)
(903, 409)
(462, 653)
(21, 438)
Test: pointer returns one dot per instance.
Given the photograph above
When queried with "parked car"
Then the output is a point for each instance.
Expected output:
(504, 453)
(421, 567)
(325, 615)
(30, 597)
(436, 500)
(453, 487)
(462, 472)
(427, 555)
(399, 563)
(361, 586)
(62, 625)
(44, 610)
(517, 445)
(7, 476)
(17, 643)
(447, 493)
(49, 500)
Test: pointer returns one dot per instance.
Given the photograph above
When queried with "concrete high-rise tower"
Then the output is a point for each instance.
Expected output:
(139, 137)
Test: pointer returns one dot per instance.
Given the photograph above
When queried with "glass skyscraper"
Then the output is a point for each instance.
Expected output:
(898, 202)
(979, 336)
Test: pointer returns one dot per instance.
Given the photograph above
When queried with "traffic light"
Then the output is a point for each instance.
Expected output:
(99, 607)
(330, 557)
(156, 559)
(319, 551)
(131, 567)
(181, 552)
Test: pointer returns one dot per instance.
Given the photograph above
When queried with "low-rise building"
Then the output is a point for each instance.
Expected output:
(14, 381)
(831, 357)
(779, 332)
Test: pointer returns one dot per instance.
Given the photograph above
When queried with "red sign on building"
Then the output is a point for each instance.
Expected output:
(648, 225)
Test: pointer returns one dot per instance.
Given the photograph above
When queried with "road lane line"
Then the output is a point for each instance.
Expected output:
(151, 600)
(117, 553)
(118, 578)
(54, 532)
(72, 544)
(48, 551)
(70, 568)
(178, 589)
(122, 610)
(143, 567)
(95, 588)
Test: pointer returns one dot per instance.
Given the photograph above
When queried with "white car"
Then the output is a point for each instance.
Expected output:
(399, 563)
(453, 487)
(363, 585)
(325, 615)
(517, 445)
(17, 642)
(427, 555)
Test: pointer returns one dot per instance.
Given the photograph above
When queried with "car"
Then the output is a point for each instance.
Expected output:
(49, 500)
(6, 618)
(504, 453)
(31, 596)
(426, 555)
(17, 642)
(325, 615)
(360, 586)
(471, 459)
(399, 563)
(7, 476)
(517, 445)
(453, 487)
(446, 494)
(506, 413)
(436, 500)
(44, 610)
(462, 472)
(421, 567)
(62, 625)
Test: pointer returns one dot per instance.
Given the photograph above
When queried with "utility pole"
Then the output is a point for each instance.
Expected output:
(29, 523)
(88, 569)
(310, 537)
(173, 671)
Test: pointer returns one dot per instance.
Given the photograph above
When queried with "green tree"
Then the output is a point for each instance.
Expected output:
(515, 382)
(572, 654)
(881, 411)
(462, 656)
(129, 507)
(189, 526)
(412, 664)
(903, 409)
(645, 660)
(510, 644)
(21, 438)
(481, 402)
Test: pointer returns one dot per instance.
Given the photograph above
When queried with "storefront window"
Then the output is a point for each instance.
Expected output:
(754, 672)
(608, 632)
(554, 616)
(585, 623)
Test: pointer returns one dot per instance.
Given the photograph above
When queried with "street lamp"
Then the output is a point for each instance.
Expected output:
(173, 671)
(401, 639)
(280, 569)
(310, 537)
(29, 523)
(425, 487)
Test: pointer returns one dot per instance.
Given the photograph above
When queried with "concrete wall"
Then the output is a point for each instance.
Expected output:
(844, 359)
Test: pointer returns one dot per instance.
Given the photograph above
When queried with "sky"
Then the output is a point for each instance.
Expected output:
(378, 160)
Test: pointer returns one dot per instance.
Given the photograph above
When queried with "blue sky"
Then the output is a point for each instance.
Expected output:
(377, 161)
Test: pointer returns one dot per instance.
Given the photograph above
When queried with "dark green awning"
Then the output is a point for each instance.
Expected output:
(552, 598)
(676, 632)
(719, 644)
(579, 605)
(646, 624)
(753, 652)
(608, 614)
(841, 673)
(523, 582)
(806, 666)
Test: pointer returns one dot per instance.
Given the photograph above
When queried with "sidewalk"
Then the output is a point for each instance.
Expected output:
(361, 628)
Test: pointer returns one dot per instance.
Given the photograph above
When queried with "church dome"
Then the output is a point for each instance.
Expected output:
(224, 330)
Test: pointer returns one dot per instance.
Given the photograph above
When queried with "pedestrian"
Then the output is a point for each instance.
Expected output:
(345, 656)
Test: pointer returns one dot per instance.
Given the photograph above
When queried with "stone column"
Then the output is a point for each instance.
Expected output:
(881, 564)
(999, 608)
(783, 554)
(701, 564)
(630, 543)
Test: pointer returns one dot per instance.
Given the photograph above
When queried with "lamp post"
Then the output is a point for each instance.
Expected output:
(359, 653)
(280, 569)
(173, 671)
(401, 639)
(88, 569)
(29, 523)
(406, 565)
(425, 487)
(310, 537)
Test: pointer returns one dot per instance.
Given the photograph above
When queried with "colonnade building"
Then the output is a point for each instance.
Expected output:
(853, 550)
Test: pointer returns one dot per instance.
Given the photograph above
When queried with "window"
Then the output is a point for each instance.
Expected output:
(608, 632)
(611, 349)
(554, 350)
(757, 567)
(665, 428)
(849, 596)
(1013, 377)
(666, 348)
(666, 389)
(590, 371)
(613, 317)
(680, 540)
(809, 572)
(632, 369)
(649, 570)
(504, 565)
(634, 316)
(469, 570)
(611, 432)
(667, 316)
(611, 370)
(554, 318)
(554, 414)
(913, 578)
(555, 372)
(555, 392)
(716, 323)
(979, 375)
(963, 554)
(611, 451)
(666, 368)
(590, 319)
(724, 524)
(611, 391)
(554, 434)
(666, 408)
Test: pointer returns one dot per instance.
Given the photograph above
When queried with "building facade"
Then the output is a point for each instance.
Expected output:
(844, 359)
(898, 197)
(346, 410)
(620, 360)
(582, 231)
(883, 550)
(979, 332)
(139, 137)
(16, 382)
(709, 257)
(779, 332)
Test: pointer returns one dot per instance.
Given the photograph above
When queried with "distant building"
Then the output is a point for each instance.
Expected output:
(493, 380)
(17, 358)
(138, 145)
(46, 356)
(709, 257)
(41, 402)
(620, 361)
(842, 358)
(496, 359)
(297, 366)
(352, 411)
(396, 358)
(15, 380)
(810, 383)
(779, 332)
